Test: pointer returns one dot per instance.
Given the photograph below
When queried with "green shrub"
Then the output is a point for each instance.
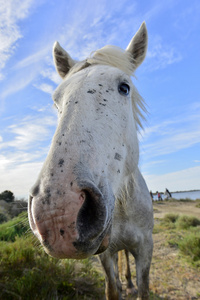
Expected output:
(180, 200)
(169, 221)
(170, 218)
(15, 227)
(198, 204)
(186, 200)
(190, 246)
(3, 218)
(27, 272)
(185, 222)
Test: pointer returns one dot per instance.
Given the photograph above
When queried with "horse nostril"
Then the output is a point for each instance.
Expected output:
(91, 217)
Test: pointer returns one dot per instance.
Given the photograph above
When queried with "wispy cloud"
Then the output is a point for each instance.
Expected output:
(46, 88)
(32, 58)
(30, 132)
(160, 55)
(19, 177)
(180, 132)
(175, 181)
(23, 150)
(11, 13)
(51, 74)
(18, 82)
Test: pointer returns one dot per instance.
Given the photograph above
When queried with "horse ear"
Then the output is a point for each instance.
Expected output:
(62, 60)
(138, 45)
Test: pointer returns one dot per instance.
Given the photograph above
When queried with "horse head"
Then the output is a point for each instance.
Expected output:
(94, 148)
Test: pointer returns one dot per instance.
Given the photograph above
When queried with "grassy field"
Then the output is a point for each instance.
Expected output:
(26, 272)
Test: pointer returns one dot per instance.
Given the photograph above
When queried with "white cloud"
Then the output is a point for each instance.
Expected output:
(21, 155)
(187, 179)
(160, 55)
(20, 178)
(52, 75)
(172, 135)
(173, 143)
(11, 12)
(46, 88)
(30, 132)
(32, 59)
(17, 83)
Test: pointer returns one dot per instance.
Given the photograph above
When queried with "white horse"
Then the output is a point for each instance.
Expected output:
(90, 197)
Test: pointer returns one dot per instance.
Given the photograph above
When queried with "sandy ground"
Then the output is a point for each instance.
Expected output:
(182, 208)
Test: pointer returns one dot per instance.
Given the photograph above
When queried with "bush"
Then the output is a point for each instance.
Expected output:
(170, 218)
(180, 222)
(3, 218)
(15, 227)
(27, 272)
(169, 221)
(185, 222)
(185, 235)
(8, 196)
(190, 245)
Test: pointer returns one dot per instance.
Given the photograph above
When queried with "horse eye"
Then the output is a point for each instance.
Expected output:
(124, 89)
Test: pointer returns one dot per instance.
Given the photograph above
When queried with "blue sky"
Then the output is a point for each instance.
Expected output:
(168, 80)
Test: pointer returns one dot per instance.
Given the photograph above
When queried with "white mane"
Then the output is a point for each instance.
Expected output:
(113, 56)
(121, 59)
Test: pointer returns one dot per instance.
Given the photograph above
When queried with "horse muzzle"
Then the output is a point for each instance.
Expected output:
(74, 225)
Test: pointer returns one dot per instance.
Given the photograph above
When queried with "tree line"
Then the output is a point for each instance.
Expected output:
(10, 207)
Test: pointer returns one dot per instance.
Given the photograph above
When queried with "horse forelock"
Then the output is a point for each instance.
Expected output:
(121, 59)
(113, 56)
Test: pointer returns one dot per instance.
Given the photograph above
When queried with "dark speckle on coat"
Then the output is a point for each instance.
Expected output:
(61, 162)
(62, 232)
(118, 156)
(91, 91)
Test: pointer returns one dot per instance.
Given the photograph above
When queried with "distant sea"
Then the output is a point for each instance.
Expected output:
(193, 195)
